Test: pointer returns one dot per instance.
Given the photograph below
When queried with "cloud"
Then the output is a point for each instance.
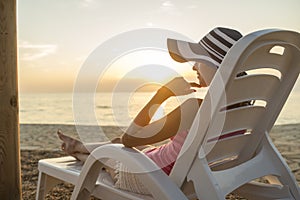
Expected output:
(167, 4)
(170, 8)
(35, 51)
(87, 3)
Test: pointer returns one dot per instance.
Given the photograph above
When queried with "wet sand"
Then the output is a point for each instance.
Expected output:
(40, 141)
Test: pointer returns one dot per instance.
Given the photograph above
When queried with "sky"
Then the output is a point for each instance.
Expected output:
(55, 37)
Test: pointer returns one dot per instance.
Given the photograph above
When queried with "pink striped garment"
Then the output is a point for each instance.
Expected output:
(165, 156)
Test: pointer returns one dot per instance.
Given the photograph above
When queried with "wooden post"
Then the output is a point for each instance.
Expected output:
(10, 181)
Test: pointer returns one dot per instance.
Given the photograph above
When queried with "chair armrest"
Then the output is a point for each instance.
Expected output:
(135, 161)
(154, 179)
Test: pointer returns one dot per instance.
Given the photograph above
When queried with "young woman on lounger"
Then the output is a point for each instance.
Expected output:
(207, 55)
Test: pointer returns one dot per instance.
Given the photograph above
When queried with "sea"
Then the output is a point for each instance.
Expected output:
(107, 109)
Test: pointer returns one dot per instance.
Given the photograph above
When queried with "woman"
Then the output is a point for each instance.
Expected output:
(207, 55)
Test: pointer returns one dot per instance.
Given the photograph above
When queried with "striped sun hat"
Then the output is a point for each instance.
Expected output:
(211, 49)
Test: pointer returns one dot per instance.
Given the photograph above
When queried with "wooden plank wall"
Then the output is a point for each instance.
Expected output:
(10, 181)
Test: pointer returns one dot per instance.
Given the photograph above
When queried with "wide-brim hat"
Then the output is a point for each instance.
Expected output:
(210, 50)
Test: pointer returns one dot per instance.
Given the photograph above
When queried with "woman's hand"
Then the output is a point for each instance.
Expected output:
(178, 87)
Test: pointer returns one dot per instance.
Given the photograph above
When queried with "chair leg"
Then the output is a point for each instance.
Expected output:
(287, 178)
(45, 184)
(204, 182)
(87, 179)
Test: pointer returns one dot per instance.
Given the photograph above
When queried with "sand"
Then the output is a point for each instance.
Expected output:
(40, 141)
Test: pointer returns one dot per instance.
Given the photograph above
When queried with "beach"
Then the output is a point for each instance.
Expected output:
(40, 141)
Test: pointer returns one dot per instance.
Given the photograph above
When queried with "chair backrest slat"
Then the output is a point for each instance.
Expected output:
(252, 87)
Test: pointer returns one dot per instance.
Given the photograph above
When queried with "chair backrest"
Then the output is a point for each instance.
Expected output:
(221, 132)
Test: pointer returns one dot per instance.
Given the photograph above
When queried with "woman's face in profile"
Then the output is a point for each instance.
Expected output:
(204, 73)
(202, 82)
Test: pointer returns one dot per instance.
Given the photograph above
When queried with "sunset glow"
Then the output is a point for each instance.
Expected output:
(56, 37)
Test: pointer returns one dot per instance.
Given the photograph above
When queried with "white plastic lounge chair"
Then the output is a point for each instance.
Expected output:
(223, 153)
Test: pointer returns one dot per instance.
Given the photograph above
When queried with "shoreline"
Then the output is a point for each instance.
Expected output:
(43, 136)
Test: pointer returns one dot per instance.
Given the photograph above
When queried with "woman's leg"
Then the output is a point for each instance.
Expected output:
(73, 146)
(80, 151)
(77, 149)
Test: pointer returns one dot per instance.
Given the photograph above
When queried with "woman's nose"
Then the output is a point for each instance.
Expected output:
(195, 68)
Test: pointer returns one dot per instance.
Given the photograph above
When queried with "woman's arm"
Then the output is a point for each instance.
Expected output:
(140, 132)
(176, 121)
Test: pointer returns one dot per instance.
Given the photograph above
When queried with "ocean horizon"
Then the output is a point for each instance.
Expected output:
(117, 109)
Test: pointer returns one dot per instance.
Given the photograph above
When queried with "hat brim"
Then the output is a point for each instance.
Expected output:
(182, 51)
